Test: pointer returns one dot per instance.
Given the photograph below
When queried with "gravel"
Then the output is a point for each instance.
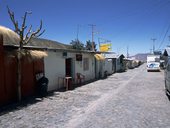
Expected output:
(133, 99)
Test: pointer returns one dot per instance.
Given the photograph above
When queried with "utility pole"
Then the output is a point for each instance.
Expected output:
(153, 39)
(92, 27)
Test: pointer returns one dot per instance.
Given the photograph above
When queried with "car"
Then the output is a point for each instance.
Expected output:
(167, 77)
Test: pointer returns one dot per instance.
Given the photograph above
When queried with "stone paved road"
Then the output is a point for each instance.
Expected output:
(134, 99)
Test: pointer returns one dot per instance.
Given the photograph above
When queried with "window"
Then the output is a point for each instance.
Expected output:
(86, 64)
(78, 57)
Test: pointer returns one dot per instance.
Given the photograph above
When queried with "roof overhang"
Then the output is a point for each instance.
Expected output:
(99, 57)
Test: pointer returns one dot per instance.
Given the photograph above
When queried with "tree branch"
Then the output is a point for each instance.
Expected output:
(24, 21)
(12, 17)
(24, 38)
(36, 33)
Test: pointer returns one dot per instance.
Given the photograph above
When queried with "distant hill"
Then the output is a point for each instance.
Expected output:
(141, 56)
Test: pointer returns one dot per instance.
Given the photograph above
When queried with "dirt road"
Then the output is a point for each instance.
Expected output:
(133, 99)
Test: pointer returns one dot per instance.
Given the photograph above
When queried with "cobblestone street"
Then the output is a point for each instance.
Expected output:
(133, 99)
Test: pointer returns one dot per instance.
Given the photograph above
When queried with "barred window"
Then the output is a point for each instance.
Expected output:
(86, 64)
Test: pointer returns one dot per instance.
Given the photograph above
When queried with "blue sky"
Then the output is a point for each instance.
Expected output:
(129, 23)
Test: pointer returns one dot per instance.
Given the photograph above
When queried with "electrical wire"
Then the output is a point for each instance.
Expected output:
(164, 37)
(150, 12)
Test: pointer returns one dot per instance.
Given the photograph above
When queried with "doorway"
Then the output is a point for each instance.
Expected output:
(68, 67)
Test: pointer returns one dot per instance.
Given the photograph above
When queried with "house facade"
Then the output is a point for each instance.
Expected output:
(117, 62)
(110, 63)
(62, 63)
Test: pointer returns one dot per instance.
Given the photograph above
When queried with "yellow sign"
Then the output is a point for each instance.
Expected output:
(99, 57)
(105, 47)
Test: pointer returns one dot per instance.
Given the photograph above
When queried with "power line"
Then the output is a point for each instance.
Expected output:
(169, 38)
(147, 11)
(164, 37)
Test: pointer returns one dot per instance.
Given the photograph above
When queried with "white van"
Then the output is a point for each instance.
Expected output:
(153, 63)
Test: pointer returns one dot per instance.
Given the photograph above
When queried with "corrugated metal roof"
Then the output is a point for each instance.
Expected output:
(110, 56)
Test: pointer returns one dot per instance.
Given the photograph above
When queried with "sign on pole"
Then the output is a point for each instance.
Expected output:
(105, 47)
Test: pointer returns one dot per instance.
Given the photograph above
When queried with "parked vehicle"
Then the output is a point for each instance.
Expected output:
(153, 63)
(167, 77)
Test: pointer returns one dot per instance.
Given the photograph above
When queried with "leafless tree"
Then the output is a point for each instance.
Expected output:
(25, 37)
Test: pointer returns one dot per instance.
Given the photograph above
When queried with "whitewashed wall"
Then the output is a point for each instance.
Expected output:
(108, 66)
(54, 68)
(79, 67)
(118, 66)
(100, 68)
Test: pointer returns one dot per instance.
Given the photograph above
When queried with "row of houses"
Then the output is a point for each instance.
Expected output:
(54, 60)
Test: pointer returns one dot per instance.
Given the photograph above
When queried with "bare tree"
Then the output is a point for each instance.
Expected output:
(24, 39)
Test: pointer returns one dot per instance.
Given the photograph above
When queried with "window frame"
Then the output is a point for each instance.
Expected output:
(86, 64)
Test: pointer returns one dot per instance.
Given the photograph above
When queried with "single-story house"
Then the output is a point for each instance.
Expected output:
(117, 60)
(42, 57)
(63, 61)
(131, 63)
(111, 60)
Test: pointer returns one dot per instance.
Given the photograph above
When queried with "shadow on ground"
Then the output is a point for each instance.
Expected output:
(25, 102)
